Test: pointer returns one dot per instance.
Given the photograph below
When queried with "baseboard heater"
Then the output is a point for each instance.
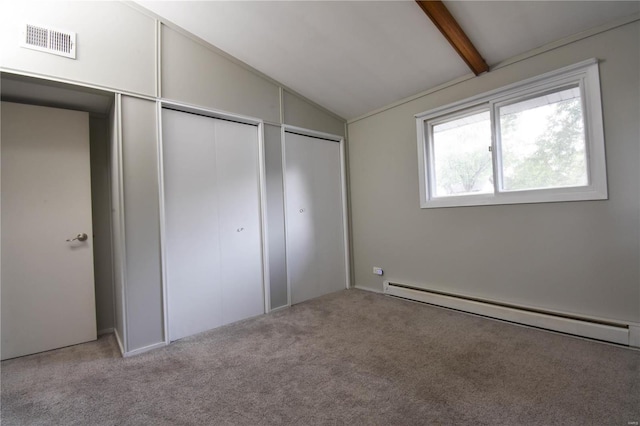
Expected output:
(608, 331)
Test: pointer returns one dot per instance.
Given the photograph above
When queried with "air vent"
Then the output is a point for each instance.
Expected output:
(62, 43)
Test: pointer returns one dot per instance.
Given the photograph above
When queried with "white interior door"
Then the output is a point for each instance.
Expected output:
(315, 228)
(48, 294)
(213, 245)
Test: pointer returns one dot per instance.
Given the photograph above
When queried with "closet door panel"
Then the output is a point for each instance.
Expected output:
(315, 230)
(328, 220)
(191, 222)
(237, 172)
(301, 232)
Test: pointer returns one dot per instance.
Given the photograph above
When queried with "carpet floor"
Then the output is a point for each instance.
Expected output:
(351, 357)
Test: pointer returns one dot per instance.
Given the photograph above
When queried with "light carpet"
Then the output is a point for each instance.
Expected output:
(351, 357)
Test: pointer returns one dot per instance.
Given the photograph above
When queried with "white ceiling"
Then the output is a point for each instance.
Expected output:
(353, 57)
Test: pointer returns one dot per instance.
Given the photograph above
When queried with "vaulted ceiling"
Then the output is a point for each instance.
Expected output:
(353, 57)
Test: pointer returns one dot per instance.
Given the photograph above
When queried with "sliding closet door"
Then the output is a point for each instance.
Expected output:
(315, 229)
(192, 243)
(213, 245)
(239, 217)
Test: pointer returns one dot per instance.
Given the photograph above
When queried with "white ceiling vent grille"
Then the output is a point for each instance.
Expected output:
(49, 40)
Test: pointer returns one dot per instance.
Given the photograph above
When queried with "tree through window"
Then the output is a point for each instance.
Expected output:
(540, 140)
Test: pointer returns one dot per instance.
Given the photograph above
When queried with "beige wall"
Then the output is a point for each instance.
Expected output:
(579, 257)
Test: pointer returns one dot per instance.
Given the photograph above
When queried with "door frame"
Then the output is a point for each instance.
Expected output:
(182, 107)
(343, 179)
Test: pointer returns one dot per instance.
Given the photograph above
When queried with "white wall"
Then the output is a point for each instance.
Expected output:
(115, 43)
(117, 224)
(101, 212)
(578, 257)
(200, 76)
(275, 216)
(116, 50)
(143, 286)
(300, 113)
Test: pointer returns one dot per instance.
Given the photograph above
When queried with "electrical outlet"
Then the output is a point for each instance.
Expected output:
(377, 270)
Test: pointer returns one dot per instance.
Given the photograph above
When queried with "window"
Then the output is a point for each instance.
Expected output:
(540, 140)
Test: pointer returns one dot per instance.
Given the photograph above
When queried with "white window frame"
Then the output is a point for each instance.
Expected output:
(583, 74)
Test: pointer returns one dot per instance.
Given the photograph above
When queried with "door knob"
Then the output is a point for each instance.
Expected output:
(79, 237)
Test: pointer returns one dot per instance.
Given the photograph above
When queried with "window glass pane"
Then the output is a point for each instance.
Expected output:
(462, 160)
(543, 143)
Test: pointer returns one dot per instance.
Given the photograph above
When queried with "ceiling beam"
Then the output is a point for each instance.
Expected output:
(448, 26)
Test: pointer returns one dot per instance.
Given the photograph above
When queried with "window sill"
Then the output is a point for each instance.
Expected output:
(520, 197)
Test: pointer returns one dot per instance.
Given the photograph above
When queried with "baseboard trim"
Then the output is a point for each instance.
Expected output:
(611, 331)
(279, 308)
(634, 334)
(144, 349)
(372, 290)
(115, 331)
(105, 331)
